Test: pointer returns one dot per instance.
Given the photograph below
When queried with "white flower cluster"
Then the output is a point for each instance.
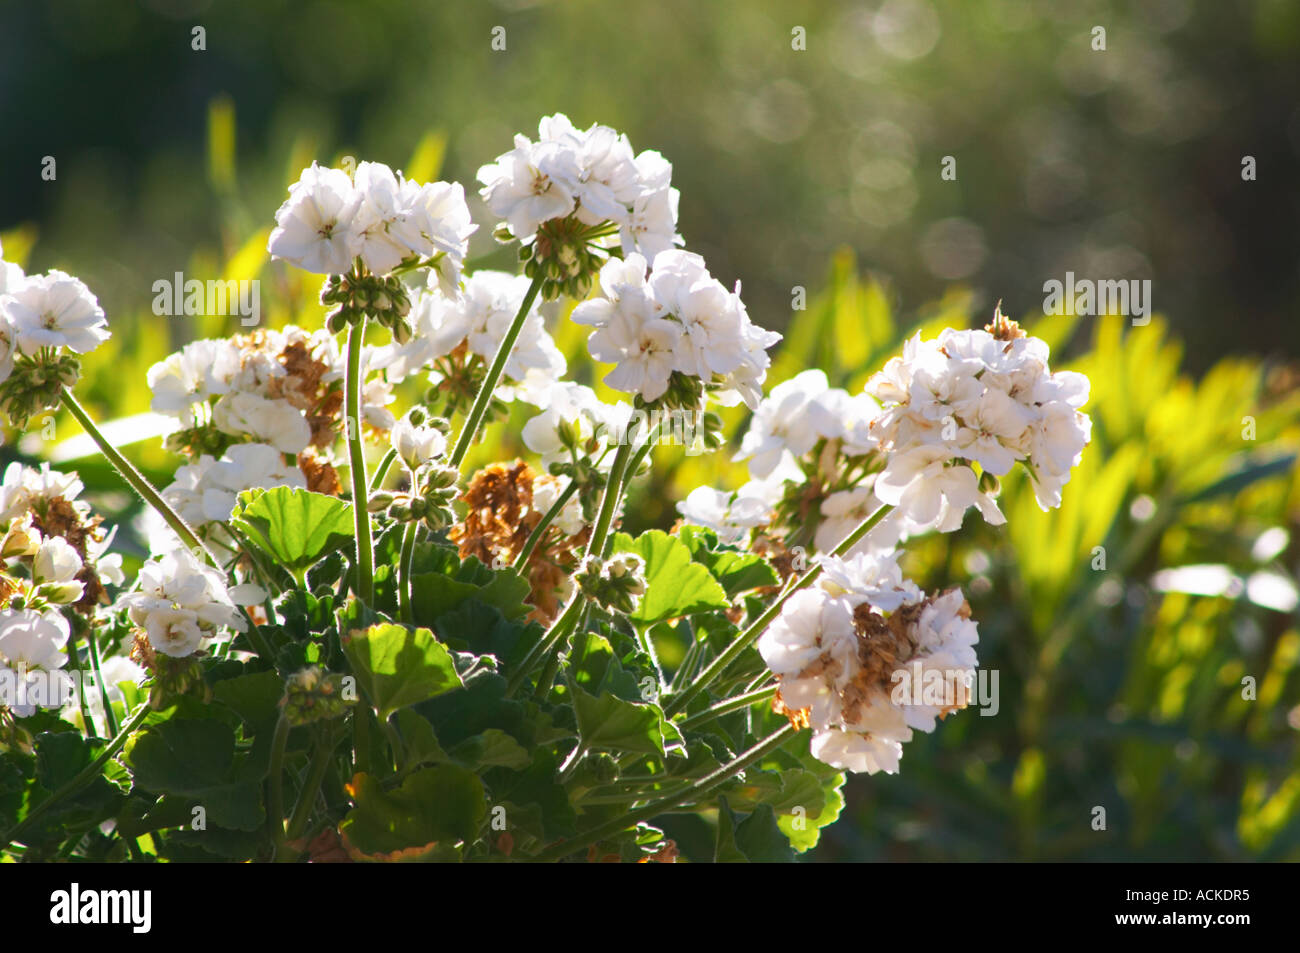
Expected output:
(331, 218)
(181, 601)
(975, 396)
(207, 489)
(968, 396)
(573, 411)
(787, 427)
(478, 318)
(838, 650)
(676, 319)
(592, 175)
(54, 310)
(55, 563)
(244, 389)
(30, 642)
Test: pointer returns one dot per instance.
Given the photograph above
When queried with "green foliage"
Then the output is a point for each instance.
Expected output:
(292, 527)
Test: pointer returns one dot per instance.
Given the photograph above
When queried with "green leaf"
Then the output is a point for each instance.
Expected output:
(255, 697)
(398, 667)
(784, 791)
(761, 840)
(675, 584)
(196, 758)
(736, 571)
(609, 723)
(434, 806)
(419, 739)
(1238, 480)
(294, 527)
(492, 748)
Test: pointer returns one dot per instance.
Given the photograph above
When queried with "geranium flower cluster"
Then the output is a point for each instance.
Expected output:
(244, 403)
(566, 195)
(986, 397)
(808, 445)
(674, 332)
(52, 535)
(181, 601)
(852, 655)
(981, 398)
(456, 337)
(53, 560)
(332, 218)
(42, 318)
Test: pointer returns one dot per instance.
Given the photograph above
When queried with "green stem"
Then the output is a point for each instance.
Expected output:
(728, 705)
(377, 481)
(540, 529)
(759, 625)
(136, 479)
(91, 730)
(357, 458)
(275, 805)
(394, 742)
(558, 630)
(404, 571)
(474, 420)
(87, 774)
(109, 718)
(307, 796)
(694, 792)
(609, 502)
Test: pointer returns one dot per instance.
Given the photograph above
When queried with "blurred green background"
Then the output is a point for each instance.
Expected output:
(820, 168)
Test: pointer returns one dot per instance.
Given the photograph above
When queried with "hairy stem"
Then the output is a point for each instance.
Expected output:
(136, 479)
(694, 792)
(474, 420)
(757, 627)
(357, 458)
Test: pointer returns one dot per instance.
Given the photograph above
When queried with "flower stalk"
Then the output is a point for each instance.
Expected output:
(357, 459)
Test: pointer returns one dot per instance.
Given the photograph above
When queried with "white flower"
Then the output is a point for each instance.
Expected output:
(578, 408)
(981, 397)
(531, 184)
(945, 638)
(782, 421)
(314, 226)
(480, 317)
(928, 491)
(30, 642)
(869, 577)
(417, 445)
(276, 422)
(245, 466)
(181, 601)
(173, 631)
(56, 561)
(679, 320)
(813, 647)
(24, 486)
(732, 515)
(54, 310)
(377, 218)
(854, 751)
(32, 638)
(193, 375)
(591, 174)
(546, 490)
(438, 223)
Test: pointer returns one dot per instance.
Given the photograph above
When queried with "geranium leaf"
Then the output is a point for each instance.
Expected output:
(398, 667)
(675, 584)
(294, 527)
